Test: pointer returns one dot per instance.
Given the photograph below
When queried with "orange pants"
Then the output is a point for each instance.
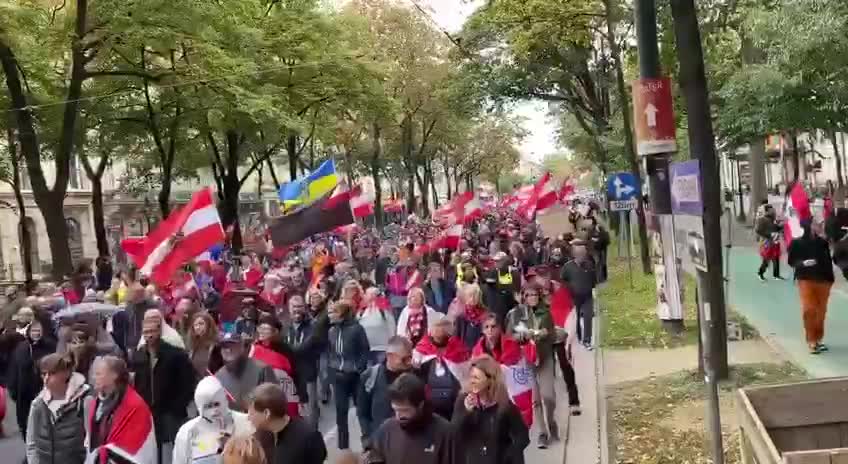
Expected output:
(814, 297)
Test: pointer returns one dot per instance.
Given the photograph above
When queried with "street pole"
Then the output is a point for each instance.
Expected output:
(702, 146)
(657, 165)
(741, 217)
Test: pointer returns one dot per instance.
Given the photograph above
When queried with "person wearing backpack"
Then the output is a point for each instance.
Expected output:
(372, 404)
(379, 324)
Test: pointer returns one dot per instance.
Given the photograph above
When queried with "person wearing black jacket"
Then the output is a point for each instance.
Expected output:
(164, 378)
(580, 278)
(307, 350)
(768, 231)
(25, 380)
(600, 240)
(347, 358)
(836, 226)
(285, 439)
(126, 324)
(809, 255)
(438, 291)
(372, 402)
(488, 426)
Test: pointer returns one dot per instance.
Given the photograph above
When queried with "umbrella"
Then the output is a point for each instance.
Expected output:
(101, 309)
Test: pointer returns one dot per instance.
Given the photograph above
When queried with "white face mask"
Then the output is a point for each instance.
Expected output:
(211, 401)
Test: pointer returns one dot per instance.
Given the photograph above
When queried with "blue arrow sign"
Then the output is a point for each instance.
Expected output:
(621, 186)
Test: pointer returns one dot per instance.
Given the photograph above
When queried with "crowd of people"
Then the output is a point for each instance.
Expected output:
(232, 361)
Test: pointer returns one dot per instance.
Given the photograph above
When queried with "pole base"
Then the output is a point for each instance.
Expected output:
(673, 326)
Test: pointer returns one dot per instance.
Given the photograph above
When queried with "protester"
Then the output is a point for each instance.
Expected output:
(600, 241)
(164, 377)
(24, 380)
(379, 324)
(488, 425)
(243, 450)
(809, 255)
(126, 324)
(580, 277)
(438, 291)
(203, 438)
(284, 439)
(416, 317)
(768, 234)
(307, 350)
(348, 358)
(120, 425)
(271, 349)
(415, 434)
(531, 322)
(443, 361)
(203, 351)
(240, 374)
(470, 315)
(56, 424)
(372, 405)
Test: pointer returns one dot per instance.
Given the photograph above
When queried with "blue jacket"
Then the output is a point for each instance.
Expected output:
(448, 294)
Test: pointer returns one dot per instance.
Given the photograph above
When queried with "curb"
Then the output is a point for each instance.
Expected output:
(601, 396)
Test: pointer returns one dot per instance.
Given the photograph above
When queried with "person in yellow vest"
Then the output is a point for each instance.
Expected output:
(502, 284)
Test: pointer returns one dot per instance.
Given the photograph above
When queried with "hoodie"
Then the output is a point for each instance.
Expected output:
(203, 437)
(349, 346)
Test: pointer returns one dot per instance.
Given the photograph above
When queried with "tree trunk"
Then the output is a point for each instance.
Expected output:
(423, 187)
(645, 256)
(410, 193)
(232, 187)
(291, 149)
(57, 232)
(838, 158)
(796, 159)
(164, 197)
(377, 155)
(23, 231)
(273, 173)
(757, 164)
(448, 182)
(99, 217)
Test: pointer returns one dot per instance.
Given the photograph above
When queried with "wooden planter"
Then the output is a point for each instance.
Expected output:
(795, 423)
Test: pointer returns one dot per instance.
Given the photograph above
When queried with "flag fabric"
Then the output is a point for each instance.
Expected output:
(185, 234)
(517, 366)
(362, 204)
(311, 188)
(393, 206)
(796, 212)
(131, 438)
(565, 190)
(284, 371)
(454, 211)
(449, 239)
(543, 196)
(455, 356)
(321, 216)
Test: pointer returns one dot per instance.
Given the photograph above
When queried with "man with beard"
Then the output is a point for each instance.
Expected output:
(372, 402)
(415, 434)
(240, 374)
(285, 439)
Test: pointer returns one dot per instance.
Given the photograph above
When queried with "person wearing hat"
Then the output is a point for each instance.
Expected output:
(240, 374)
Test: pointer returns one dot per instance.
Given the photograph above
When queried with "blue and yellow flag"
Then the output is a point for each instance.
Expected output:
(307, 190)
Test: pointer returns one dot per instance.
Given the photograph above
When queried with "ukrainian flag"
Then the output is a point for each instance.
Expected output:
(307, 190)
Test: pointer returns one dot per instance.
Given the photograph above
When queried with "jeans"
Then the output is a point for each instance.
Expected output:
(324, 377)
(567, 374)
(345, 386)
(166, 453)
(544, 397)
(585, 314)
(313, 406)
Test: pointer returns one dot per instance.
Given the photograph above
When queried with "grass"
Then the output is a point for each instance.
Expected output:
(661, 420)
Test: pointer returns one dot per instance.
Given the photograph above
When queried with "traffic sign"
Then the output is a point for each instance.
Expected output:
(623, 205)
(621, 186)
(653, 115)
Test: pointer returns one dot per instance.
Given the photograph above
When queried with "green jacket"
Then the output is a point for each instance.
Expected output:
(536, 319)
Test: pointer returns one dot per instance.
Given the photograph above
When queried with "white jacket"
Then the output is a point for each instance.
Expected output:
(200, 439)
(433, 316)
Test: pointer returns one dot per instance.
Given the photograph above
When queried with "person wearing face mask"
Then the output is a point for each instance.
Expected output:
(347, 358)
(164, 377)
(24, 382)
(487, 423)
(443, 362)
(372, 405)
(56, 432)
(415, 434)
(240, 374)
(307, 350)
(285, 439)
(202, 439)
(531, 322)
(271, 349)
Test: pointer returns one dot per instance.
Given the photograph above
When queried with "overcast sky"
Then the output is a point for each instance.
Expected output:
(451, 14)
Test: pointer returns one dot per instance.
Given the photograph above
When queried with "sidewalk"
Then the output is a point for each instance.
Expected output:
(584, 445)
(773, 308)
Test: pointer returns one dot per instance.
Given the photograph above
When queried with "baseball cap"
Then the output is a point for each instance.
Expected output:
(229, 337)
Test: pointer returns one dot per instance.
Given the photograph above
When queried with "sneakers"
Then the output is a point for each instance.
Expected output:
(544, 441)
(822, 347)
(575, 410)
(761, 277)
(554, 431)
(779, 278)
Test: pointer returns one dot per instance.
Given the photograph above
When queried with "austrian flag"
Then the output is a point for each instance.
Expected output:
(185, 234)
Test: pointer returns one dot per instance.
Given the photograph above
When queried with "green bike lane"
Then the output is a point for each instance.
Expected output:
(773, 308)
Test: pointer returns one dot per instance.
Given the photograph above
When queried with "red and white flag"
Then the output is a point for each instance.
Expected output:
(796, 212)
(455, 212)
(455, 356)
(361, 203)
(180, 238)
(517, 366)
(449, 239)
(543, 196)
(565, 191)
(416, 279)
(131, 437)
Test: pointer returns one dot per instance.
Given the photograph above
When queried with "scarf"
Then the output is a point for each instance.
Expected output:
(475, 314)
(415, 325)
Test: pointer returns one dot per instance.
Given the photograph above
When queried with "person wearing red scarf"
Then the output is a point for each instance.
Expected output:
(469, 322)
(443, 362)
(276, 353)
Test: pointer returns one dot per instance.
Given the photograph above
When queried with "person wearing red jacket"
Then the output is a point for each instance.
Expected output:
(278, 355)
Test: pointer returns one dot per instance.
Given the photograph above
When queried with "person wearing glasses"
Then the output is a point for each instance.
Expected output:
(531, 322)
(488, 425)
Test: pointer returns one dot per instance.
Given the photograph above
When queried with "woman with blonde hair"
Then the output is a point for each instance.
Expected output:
(486, 421)
(416, 318)
(469, 314)
(243, 449)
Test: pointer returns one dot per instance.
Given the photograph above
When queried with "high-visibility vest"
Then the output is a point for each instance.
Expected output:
(505, 279)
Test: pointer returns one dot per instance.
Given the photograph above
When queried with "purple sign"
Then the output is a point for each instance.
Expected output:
(686, 188)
